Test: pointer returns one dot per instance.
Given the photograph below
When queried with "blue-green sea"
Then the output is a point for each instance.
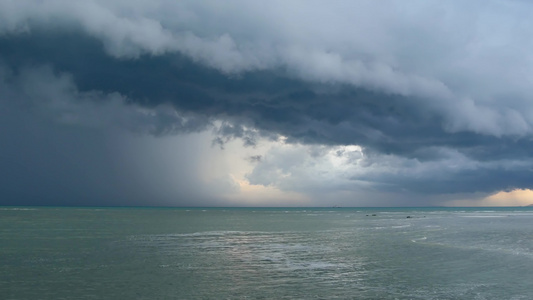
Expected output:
(266, 253)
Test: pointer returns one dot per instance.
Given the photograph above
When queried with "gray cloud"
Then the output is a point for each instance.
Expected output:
(420, 86)
(255, 158)
(54, 96)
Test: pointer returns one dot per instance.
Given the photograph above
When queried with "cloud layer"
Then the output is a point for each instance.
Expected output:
(434, 96)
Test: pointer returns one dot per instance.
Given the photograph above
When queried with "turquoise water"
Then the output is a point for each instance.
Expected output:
(296, 253)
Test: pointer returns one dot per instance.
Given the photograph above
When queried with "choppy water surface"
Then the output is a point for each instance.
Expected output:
(132, 253)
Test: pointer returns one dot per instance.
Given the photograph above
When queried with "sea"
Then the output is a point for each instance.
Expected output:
(266, 253)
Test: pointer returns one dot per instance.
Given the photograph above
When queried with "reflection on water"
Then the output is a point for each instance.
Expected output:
(266, 253)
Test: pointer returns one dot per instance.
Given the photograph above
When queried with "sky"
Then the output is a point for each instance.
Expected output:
(266, 103)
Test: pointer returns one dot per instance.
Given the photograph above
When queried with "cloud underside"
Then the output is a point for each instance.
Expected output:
(393, 104)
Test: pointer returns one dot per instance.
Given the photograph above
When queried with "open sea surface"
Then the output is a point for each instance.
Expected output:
(266, 253)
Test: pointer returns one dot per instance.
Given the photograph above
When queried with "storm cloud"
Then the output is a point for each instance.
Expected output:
(424, 98)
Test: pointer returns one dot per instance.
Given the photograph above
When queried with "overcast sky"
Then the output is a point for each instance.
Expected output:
(266, 103)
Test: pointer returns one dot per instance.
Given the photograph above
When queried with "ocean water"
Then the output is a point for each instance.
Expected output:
(278, 253)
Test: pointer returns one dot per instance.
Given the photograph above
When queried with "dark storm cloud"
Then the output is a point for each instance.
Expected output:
(272, 101)
(451, 174)
(398, 83)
